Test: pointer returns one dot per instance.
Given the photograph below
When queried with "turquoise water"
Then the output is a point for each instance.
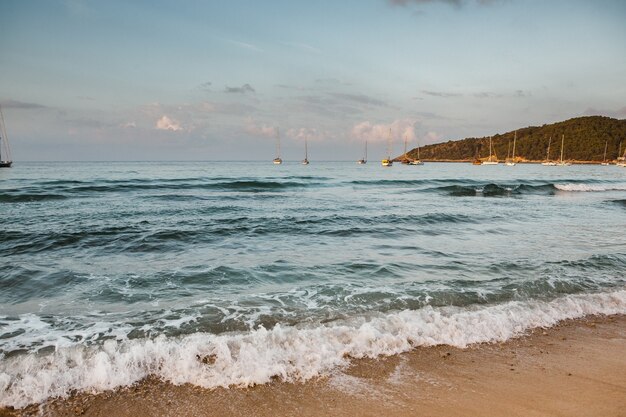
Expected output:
(114, 271)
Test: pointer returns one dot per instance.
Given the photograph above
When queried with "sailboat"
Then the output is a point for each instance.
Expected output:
(548, 162)
(405, 158)
(511, 162)
(305, 161)
(277, 160)
(364, 159)
(4, 145)
(387, 162)
(417, 161)
(604, 161)
(621, 161)
(561, 163)
(490, 161)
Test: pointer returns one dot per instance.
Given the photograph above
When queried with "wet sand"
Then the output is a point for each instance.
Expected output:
(577, 368)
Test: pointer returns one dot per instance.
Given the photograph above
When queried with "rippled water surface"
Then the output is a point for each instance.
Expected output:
(113, 271)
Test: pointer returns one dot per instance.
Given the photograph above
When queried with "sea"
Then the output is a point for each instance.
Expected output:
(231, 274)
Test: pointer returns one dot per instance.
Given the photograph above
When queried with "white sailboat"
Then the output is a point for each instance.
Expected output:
(491, 161)
(364, 159)
(305, 161)
(604, 161)
(4, 145)
(621, 160)
(417, 161)
(562, 163)
(387, 162)
(511, 162)
(277, 160)
(548, 162)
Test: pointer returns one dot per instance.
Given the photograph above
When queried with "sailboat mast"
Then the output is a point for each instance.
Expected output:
(389, 145)
(548, 153)
(606, 145)
(4, 139)
(418, 151)
(514, 140)
(490, 153)
(405, 147)
(306, 150)
(278, 142)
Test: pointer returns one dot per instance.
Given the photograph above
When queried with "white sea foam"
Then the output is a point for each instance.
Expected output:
(591, 187)
(292, 353)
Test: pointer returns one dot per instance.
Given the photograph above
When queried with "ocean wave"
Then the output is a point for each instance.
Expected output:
(577, 187)
(291, 353)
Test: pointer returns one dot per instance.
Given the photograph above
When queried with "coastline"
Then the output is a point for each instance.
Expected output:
(575, 368)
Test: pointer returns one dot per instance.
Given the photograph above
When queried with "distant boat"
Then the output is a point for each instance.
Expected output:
(621, 161)
(561, 162)
(511, 162)
(277, 160)
(490, 161)
(364, 159)
(548, 162)
(604, 161)
(417, 161)
(387, 162)
(4, 144)
(305, 161)
(405, 158)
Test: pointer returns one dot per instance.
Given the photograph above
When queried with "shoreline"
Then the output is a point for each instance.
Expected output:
(575, 368)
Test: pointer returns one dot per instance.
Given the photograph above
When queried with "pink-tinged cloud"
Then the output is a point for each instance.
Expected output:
(310, 134)
(260, 129)
(165, 123)
(431, 137)
(400, 129)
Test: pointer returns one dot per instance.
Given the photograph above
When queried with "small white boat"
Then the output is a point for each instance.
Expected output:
(604, 161)
(363, 160)
(511, 162)
(305, 161)
(417, 161)
(562, 163)
(277, 160)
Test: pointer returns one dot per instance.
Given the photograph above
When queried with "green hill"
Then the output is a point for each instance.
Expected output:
(585, 138)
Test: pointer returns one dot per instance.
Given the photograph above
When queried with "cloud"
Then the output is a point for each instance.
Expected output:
(441, 94)
(617, 114)
(360, 98)
(431, 137)
(246, 88)
(455, 3)
(165, 123)
(14, 104)
(308, 133)
(259, 129)
(205, 86)
(400, 129)
(302, 46)
(245, 45)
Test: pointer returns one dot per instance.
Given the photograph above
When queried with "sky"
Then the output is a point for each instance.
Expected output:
(216, 80)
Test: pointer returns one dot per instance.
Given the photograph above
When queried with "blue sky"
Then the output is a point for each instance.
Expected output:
(144, 80)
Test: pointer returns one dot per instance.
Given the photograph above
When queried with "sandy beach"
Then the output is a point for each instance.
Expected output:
(576, 368)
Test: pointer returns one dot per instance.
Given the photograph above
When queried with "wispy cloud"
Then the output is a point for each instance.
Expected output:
(205, 86)
(246, 88)
(14, 104)
(455, 3)
(360, 98)
(441, 94)
(245, 45)
(302, 46)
